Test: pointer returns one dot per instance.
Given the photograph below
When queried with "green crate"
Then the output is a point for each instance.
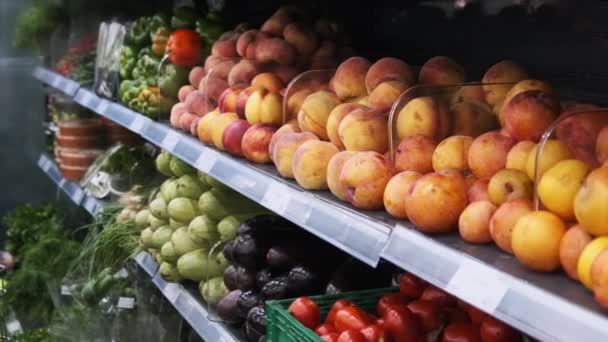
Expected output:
(282, 327)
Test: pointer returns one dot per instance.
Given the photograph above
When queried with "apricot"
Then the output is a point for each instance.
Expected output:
(478, 190)
(388, 69)
(362, 130)
(415, 153)
(488, 153)
(525, 85)
(264, 106)
(580, 131)
(218, 125)
(536, 240)
(285, 149)
(309, 165)
(334, 168)
(590, 205)
(425, 116)
(474, 222)
(468, 93)
(528, 115)
(559, 185)
(472, 119)
(268, 81)
(452, 153)
(553, 152)
(256, 141)
(508, 184)
(364, 177)
(314, 113)
(517, 158)
(289, 127)
(204, 127)
(572, 245)
(599, 270)
(349, 79)
(601, 146)
(441, 70)
(396, 191)
(501, 72)
(587, 257)
(504, 219)
(385, 94)
(436, 200)
(335, 117)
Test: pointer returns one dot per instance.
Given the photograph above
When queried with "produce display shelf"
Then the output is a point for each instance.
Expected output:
(549, 307)
(56, 81)
(186, 302)
(71, 189)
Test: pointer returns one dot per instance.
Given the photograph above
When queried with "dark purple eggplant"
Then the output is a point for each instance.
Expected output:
(246, 301)
(227, 308)
(250, 251)
(230, 278)
(245, 278)
(229, 251)
(255, 326)
(275, 289)
(264, 276)
(301, 280)
(282, 257)
(354, 275)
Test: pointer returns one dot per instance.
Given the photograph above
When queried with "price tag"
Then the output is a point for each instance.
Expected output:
(276, 197)
(170, 141)
(126, 303)
(138, 124)
(13, 327)
(102, 106)
(78, 195)
(206, 160)
(66, 290)
(478, 284)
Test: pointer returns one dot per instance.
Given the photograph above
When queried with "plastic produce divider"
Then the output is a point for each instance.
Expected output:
(308, 80)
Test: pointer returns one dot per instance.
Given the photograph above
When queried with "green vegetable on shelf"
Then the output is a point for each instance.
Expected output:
(149, 102)
(129, 90)
(146, 68)
(184, 17)
(210, 28)
(159, 41)
(127, 62)
(172, 78)
(139, 33)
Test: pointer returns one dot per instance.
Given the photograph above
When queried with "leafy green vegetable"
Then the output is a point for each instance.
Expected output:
(36, 24)
(26, 223)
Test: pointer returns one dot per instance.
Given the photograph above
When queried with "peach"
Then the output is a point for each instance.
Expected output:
(285, 149)
(204, 127)
(580, 131)
(518, 155)
(570, 248)
(222, 69)
(243, 72)
(198, 104)
(275, 50)
(435, 201)
(474, 222)
(587, 257)
(508, 185)
(536, 240)
(233, 136)
(559, 185)
(488, 153)
(276, 23)
(176, 112)
(601, 145)
(326, 51)
(599, 270)
(246, 43)
(441, 70)
(294, 102)
(335, 117)
(423, 115)
(256, 141)
(212, 88)
(472, 118)
(314, 113)
(501, 72)
(210, 62)
(194, 127)
(452, 153)
(553, 152)
(284, 72)
(415, 153)
(469, 93)
(388, 69)
(186, 120)
(478, 191)
(334, 169)
(364, 177)
(526, 85)
(289, 127)
(228, 99)
(225, 48)
(184, 91)
(309, 165)
(528, 115)
(385, 94)
(590, 205)
(396, 191)
(264, 106)
(268, 81)
(363, 130)
(504, 219)
(196, 74)
(301, 37)
(349, 79)
(243, 97)
(218, 125)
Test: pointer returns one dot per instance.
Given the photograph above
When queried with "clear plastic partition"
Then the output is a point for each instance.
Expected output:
(215, 291)
(301, 86)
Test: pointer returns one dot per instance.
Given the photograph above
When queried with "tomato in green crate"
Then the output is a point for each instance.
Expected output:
(337, 306)
(351, 318)
(402, 325)
(351, 336)
(375, 333)
(390, 300)
(429, 314)
(461, 332)
(411, 286)
(306, 311)
(324, 329)
(493, 330)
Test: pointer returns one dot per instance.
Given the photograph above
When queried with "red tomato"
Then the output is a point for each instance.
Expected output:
(430, 316)
(461, 332)
(380, 322)
(457, 315)
(325, 329)
(351, 336)
(401, 325)
(306, 311)
(350, 317)
(411, 286)
(339, 304)
(463, 305)
(331, 337)
(374, 333)
(438, 296)
(184, 47)
(493, 330)
(390, 300)
(475, 314)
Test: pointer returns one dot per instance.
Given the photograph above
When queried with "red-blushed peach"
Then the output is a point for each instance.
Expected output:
(314, 112)
(522, 86)
(364, 177)
(226, 47)
(309, 165)
(488, 153)
(508, 184)
(255, 143)
(452, 153)
(204, 127)
(441, 70)
(242, 98)
(246, 43)
(276, 23)
(528, 115)
(335, 117)
(474, 222)
(268, 81)
(385, 94)
(472, 93)
(210, 62)
(580, 131)
(472, 118)
(554, 151)
(396, 191)
(243, 72)
(518, 155)
(424, 116)
(198, 104)
(301, 37)
(334, 169)
(415, 153)
(222, 69)
(228, 99)
(349, 79)
(275, 50)
(176, 112)
(264, 106)
(388, 69)
(504, 219)
(184, 91)
(285, 73)
(364, 130)
(218, 125)
(294, 102)
(290, 127)
(502, 72)
(571, 247)
(559, 185)
(435, 201)
(186, 120)
(212, 88)
(233, 136)
(195, 75)
(601, 145)
(478, 191)
(285, 149)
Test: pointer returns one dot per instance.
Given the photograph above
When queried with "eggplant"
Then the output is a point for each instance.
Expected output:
(230, 278)
(245, 278)
(227, 308)
(250, 251)
(354, 275)
(246, 301)
(263, 277)
(303, 281)
(275, 289)
(229, 251)
(282, 257)
(255, 326)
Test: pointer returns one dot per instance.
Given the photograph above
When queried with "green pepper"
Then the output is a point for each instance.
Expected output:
(149, 102)
(210, 28)
(130, 89)
(184, 17)
(172, 78)
(146, 69)
(159, 41)
(156, 22)
(144, 52)
(138, 34)
(127, 62)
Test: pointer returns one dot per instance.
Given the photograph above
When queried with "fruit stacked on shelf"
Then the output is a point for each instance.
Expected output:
(79, 62)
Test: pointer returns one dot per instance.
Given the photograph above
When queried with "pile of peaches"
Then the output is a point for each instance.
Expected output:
(465, 158)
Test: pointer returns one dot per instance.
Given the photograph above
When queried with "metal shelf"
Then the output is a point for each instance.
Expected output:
(547, 306)
(56, 81)
(71, 189)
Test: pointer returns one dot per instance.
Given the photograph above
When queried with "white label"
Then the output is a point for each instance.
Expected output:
(13, 327)
(86, 98)
(126, 303)
(138, 124)
(206, 160)
(77, 196)
(102, 106)
(65, 290)
(171, 291)
(46, 165)
(276, 197)
(479, 285)
(170, 141)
